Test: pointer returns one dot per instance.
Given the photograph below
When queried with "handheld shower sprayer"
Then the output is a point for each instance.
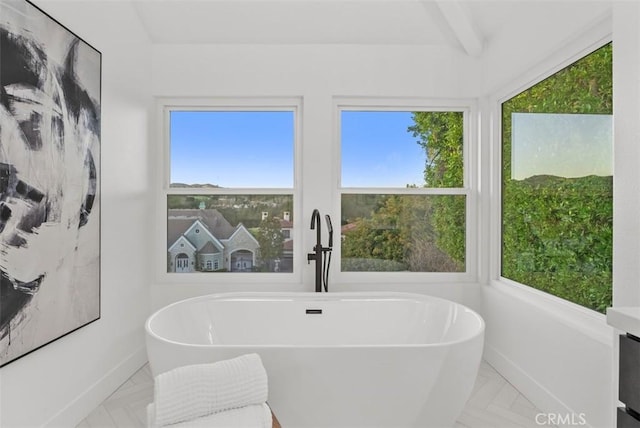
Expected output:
(330, 229)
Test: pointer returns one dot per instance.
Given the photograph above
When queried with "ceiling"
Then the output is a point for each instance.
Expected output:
(464, 24)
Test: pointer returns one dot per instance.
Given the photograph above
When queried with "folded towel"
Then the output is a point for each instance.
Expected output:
(252, 416)
(198, 390)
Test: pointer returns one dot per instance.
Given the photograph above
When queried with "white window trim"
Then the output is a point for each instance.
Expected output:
(590, 322)
(163, 106)
(470, 188)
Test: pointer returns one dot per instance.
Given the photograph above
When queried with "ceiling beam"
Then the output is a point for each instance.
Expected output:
(459, 20)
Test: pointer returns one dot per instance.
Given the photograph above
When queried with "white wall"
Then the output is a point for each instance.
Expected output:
(626, 110)
(562, 366)
(59, 384)
(542, 30)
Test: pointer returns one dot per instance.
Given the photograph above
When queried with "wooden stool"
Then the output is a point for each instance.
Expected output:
(274, 421)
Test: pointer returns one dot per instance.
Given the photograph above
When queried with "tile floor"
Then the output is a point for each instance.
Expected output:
(495, 403)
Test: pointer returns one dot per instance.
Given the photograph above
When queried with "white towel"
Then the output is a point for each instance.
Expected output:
(198, 390)
(253, 416)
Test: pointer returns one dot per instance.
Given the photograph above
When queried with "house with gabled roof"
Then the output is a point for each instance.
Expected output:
(202, 240)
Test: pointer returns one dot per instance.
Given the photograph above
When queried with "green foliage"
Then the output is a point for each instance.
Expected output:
(371, 265)
(449, 220)
(269, 236)
(359, 205)
(379, 236)
(441, 136)
(557, 232)
(557, 237)
(182, 202)
(400, 235)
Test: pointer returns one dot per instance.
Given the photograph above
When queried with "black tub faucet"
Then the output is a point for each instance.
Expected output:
(321, 255)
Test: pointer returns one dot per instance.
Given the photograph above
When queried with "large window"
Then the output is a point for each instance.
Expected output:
(557, 195)
(403, 191)
(230, 189)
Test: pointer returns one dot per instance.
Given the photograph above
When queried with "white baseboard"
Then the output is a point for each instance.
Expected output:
(540, 396)
(78, 409)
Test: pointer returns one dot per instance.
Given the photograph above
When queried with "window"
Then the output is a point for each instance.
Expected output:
(230, 188)
(557, 194)
(403, 193)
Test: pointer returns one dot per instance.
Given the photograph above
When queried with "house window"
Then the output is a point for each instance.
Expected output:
(229, 183)
(404, 191)
(557, 193)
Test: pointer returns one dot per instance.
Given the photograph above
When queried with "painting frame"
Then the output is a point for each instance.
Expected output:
(50, 180)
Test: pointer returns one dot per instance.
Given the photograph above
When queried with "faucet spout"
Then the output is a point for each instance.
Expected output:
(315, 219)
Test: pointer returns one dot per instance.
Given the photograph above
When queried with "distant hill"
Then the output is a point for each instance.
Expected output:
(198, 186)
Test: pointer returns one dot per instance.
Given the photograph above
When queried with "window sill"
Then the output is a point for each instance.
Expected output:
(588, 322)
(213, 278)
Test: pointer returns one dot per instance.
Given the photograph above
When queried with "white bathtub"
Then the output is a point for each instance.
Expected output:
(334, 359)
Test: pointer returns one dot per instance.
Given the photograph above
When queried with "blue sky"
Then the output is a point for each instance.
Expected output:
(232, 148)
(255, 149)
(377, 150)
(564, 145)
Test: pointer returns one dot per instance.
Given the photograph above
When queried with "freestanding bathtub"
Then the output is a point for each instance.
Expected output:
(373, 359)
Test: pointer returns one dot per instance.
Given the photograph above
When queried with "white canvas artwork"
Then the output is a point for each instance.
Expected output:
(49, 180)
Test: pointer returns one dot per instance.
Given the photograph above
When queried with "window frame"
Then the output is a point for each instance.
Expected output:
(586, 320)
(164, 107)
(469, 109)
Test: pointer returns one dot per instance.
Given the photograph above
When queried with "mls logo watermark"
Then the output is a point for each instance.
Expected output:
(560, 419)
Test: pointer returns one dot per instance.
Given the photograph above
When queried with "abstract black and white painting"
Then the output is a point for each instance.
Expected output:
(49, 180)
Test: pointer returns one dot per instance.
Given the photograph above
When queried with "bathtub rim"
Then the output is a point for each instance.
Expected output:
(292, 295)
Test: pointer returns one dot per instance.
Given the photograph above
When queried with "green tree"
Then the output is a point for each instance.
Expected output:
(398, 235)
(379, 236)
(269, 236)
(441, 135)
